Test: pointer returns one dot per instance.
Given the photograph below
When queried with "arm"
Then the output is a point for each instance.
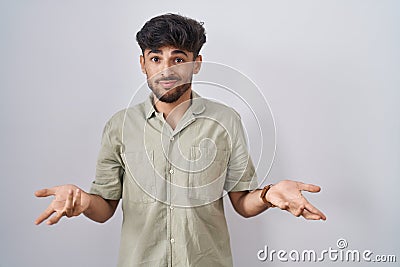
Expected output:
(248, 203)
(70, 201)
(286, 195)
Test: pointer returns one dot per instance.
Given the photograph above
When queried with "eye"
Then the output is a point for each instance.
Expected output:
(179, 60)
(155, 59)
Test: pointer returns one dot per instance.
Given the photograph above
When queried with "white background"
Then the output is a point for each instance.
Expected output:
(329, 69)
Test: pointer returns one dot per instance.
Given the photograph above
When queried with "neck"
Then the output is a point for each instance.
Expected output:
(173, 112)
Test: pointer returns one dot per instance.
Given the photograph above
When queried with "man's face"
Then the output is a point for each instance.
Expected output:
(169, 71)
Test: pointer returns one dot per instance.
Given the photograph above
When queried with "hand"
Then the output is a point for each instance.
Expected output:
(287, 196)
(69, 200)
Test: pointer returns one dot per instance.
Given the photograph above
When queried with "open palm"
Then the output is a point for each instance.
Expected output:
(69, 200)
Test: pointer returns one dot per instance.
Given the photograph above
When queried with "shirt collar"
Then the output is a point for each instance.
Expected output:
(197, 107)
(149, 107)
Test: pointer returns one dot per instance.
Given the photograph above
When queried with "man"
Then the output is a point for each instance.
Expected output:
(170, 159)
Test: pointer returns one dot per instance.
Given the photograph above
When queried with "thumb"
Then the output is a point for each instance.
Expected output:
(309, 187)
(45, 192)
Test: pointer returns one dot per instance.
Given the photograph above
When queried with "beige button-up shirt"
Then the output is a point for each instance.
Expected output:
(171, 182)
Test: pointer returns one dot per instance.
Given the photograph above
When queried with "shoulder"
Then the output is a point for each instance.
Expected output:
(113, 128)
(118, 118)
(219, 110)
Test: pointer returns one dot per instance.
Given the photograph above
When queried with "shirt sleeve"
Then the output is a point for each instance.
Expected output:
(109, 167)
(241, 175)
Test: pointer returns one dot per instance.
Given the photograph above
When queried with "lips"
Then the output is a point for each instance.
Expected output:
(168, 83)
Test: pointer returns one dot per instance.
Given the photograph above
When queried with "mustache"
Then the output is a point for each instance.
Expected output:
(169, 78)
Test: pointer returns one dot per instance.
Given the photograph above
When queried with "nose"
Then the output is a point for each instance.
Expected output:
(167, 69)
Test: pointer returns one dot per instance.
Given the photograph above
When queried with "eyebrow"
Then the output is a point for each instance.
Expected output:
(178, 52)
(155, 51)
(158, 51)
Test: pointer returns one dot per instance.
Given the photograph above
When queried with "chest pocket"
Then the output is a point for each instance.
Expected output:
(207, 173)
(139, 184)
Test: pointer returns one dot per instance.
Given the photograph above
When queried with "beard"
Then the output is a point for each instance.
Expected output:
(169, 95)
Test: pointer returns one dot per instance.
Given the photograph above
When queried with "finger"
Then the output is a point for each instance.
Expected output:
(310, 216)
(298, 211)
(309, 187)
(78, 198)
(68, 204)
(314, 210)
(55, 219)
(45, 192)
(44, 215)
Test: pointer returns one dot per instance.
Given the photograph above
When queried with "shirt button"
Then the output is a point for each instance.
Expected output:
(171, 171)
(172, 138)
(171, 207)
(172, 240)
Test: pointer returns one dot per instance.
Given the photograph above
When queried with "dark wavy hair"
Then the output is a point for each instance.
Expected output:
(172, 30)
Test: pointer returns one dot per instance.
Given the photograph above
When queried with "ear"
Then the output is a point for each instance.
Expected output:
(142, 64)
(197, 64)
